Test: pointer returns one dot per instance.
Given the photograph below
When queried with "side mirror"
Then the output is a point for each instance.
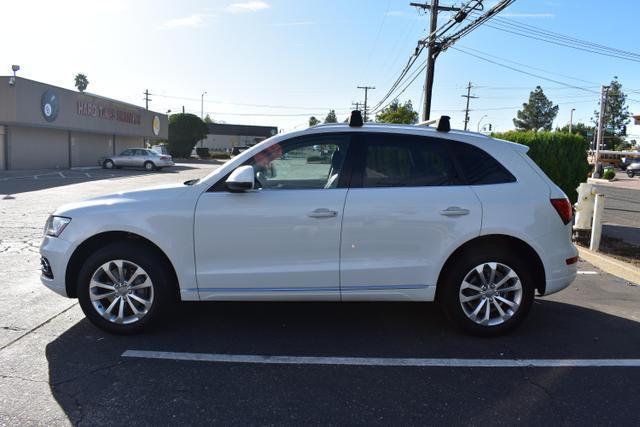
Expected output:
(241, 179)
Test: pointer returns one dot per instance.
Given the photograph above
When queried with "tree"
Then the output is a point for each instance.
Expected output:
(581, 129)
(208, 119)
(81, 82)
(398, 113)
(536, 114)
(313, 121)
(185, 130)
(331, 117)
(616, 116)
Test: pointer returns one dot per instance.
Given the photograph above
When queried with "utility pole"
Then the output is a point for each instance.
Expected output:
(183, 109)
(466, 110)
(366, 92)
(571, 121)
(356, 105)
(432, 52)
(604, 91)
(146, 99)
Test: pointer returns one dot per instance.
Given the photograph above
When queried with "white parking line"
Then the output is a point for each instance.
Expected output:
(60, 173)
(587, 272)
(379, 361)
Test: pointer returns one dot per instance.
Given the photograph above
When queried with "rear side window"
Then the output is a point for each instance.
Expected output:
(406, 161)
(479, 167)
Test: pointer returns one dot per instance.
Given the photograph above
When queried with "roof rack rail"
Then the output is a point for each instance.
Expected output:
(442, 123)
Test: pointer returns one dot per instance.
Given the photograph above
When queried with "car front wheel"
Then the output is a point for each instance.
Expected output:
(630, 173)
(124, 288)
(108, 164)
(486, 294)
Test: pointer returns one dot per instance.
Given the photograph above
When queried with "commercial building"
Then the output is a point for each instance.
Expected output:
(43, 126)
(222, 137)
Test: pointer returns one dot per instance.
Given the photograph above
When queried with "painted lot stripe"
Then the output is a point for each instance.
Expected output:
(378, 361)
(587, 272)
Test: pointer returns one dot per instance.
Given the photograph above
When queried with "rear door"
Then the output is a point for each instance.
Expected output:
(406, 211)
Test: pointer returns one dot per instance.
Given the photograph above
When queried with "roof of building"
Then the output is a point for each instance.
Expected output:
(241, 130)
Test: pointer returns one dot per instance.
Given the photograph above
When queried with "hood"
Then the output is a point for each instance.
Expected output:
(157, 193)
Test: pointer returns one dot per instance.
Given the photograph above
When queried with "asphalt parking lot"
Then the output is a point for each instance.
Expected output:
(298, 363)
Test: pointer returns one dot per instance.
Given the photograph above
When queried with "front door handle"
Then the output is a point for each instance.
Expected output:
(323, 213)
(454, 211)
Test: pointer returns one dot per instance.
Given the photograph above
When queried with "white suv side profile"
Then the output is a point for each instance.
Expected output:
(377, 213)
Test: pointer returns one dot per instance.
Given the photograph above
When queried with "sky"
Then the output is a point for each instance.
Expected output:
(277, 62)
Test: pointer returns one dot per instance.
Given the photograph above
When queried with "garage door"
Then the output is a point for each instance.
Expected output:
(88, 148)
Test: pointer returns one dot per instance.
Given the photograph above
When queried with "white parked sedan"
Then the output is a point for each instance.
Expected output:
(138, 157)
(384, 213)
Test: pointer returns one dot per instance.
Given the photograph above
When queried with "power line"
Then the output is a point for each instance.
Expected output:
(286, 107)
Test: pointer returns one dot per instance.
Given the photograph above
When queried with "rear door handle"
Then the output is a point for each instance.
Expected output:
(454, 211)
(322, 213)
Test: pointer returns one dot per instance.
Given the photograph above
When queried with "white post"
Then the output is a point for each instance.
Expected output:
(596, 227)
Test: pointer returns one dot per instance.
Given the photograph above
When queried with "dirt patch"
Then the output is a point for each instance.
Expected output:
(615, 248)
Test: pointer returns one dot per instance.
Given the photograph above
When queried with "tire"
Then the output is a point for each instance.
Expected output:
(630, 173)
(151, 295)
(108, 164)
(149, 166)
(464, 271)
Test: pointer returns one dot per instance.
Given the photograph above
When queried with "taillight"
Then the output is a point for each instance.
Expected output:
(164, 157)
(563, 207)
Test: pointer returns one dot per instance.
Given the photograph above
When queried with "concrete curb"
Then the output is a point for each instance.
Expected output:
(600, 180)
(611, 265)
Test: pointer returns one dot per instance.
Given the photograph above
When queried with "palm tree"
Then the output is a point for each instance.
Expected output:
(81, 82)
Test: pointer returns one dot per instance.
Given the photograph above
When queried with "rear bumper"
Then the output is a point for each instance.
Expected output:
(164, 163)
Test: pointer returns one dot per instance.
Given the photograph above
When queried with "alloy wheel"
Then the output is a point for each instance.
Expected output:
(490, 294)
(121, 291)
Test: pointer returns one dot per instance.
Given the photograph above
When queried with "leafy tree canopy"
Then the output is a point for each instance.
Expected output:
(185, 130)
(81, 82)
(616, 116)
(536, 114)
(208, 119)
(331, 117)
(398, 113)
(313, 121)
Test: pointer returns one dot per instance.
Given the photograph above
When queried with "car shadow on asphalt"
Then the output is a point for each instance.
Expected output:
(93, 383)
(22, 182)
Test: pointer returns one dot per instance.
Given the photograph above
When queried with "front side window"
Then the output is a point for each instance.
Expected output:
(309, 163)
(407, 161)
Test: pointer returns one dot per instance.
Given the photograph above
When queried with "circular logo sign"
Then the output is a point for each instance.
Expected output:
(156, 125)
(49, 105)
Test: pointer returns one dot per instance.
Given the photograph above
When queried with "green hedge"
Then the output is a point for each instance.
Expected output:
(222, 156)
(562, 156)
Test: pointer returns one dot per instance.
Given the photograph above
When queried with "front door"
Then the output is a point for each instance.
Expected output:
(280, 240)
(405, 211)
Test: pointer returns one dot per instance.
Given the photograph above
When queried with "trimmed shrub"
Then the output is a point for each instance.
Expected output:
(185, 130)
(202, 152)
(223, 156)
(609, 174)
(562, 156)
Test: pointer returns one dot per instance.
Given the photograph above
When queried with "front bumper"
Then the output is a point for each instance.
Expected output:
(57, 253)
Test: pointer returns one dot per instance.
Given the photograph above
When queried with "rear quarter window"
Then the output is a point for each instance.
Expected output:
(479, 167)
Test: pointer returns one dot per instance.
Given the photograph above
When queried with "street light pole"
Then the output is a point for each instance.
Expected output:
(202, 104)
(571, 121)
(480, 121)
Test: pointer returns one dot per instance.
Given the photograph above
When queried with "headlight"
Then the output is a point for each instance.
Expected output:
(55, 225)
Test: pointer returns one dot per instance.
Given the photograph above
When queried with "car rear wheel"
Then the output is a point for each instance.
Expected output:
(124, 288)
(630, 173)
(108, 164)
(487, 294)
(149, 166)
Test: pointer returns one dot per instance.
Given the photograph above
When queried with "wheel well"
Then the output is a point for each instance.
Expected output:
(98, 241)
(511, 244)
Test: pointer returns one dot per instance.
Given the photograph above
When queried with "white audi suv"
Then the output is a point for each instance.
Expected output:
(378, 213)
